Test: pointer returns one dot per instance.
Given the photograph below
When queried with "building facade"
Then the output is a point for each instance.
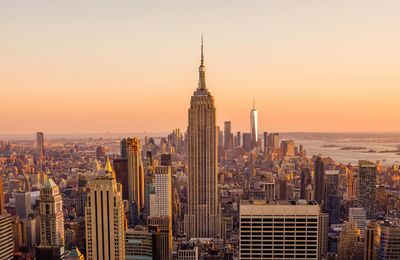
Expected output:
(203, 217)
(387, 241)
(367, 187)
(254, 125)
(281, 230)
(40, 145)
(23, 203)
(319, 183)
(51, 215)
(163, 208)
(6, 237)
(135, 180)
(105, 217)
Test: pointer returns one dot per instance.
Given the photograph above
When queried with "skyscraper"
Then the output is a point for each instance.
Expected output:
(350, 183)
(6, 229)
(123, 148)
(163, 208)
(23, 203)
(305, 180)
(273, 140)
(254, 125)
(323, 235)
(367, 187)
(265, 137)
(238, 139)
(203, 217)
(371, 233)
(6, 237)
(135, 179)
(120, 166)
(105, 217)
(247, 142)
(163, 190)
(40, 145)
(287, 148)
(319, 172)
(51, 215)
(228, 142)
(332, 198)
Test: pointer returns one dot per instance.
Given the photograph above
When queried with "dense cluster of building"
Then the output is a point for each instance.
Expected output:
(207, 193)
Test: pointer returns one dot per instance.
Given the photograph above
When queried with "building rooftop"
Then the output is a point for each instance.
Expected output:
(280, 208)
(279, 202)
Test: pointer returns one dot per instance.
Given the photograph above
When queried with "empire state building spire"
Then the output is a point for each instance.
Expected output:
(202, 53)
(202, 71)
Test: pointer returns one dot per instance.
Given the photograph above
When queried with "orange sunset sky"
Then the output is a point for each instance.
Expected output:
(131, 66)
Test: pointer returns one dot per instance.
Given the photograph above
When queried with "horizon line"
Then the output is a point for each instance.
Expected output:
(155, 133)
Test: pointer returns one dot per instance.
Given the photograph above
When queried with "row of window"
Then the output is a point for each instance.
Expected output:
(291, 219)
(280, 224)
(297, 238)
(269, 244)
(254, 248)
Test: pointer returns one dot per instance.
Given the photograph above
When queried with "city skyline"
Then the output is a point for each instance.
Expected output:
(72, 67)
(287, 147)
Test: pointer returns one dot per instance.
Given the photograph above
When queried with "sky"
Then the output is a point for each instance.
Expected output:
(131, 66)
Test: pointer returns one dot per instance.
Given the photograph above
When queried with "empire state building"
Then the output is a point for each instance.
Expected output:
(203, 217)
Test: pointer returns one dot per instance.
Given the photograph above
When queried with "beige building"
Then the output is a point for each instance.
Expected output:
(6, 237)
(7, 233)
(105, 217)
(323, 235)
(281, 230)
(135, 178)
(203, 218)
(51, 215)
(163, 191)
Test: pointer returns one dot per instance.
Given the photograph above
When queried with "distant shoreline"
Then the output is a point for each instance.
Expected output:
(283, 135)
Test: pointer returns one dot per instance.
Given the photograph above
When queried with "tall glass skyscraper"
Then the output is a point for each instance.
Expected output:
(203, 217)
(254, 125)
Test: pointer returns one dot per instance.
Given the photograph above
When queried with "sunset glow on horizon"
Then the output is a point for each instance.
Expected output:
(80, 67)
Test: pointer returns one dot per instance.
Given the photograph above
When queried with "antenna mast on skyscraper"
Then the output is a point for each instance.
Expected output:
(202, 54)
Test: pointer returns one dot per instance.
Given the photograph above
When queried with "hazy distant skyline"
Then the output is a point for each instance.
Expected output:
(130, 66)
